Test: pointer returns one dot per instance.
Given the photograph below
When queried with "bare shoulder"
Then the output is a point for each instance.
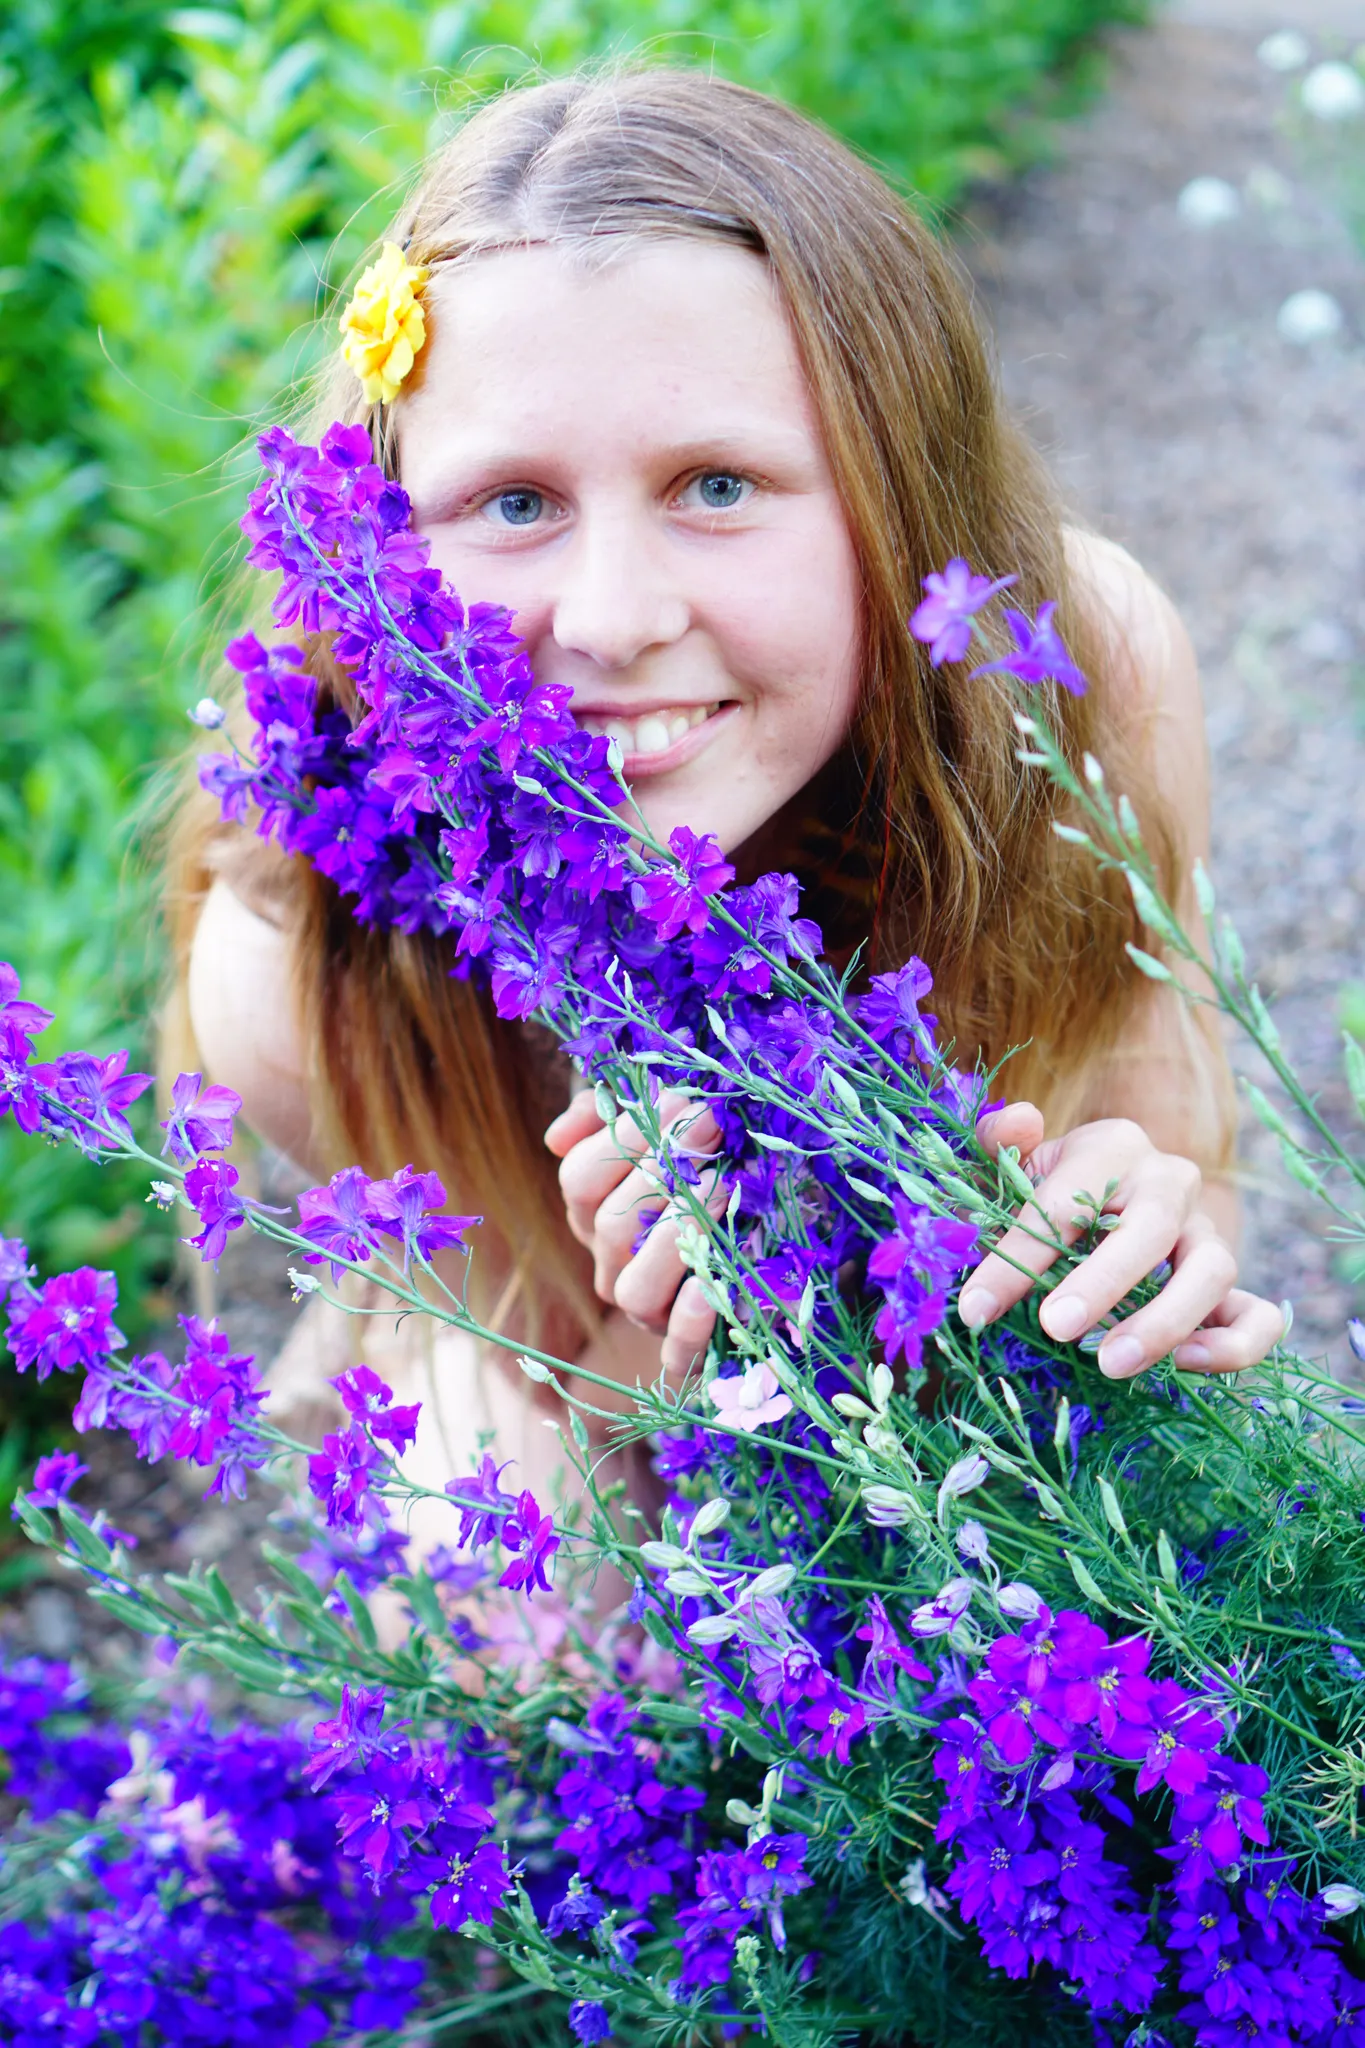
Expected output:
(1153, 676)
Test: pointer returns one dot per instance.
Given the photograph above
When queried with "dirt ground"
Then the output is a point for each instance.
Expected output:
(1144, 355)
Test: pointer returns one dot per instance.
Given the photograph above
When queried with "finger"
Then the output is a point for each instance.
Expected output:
(617, 1223)
(1150, 1227)
(580, 1120)
(1109, 1151)
(646, 1281)
(1205, 1269)
(1018, 1124)
(689, 1328)
(1240, 1332)
(588, 1175)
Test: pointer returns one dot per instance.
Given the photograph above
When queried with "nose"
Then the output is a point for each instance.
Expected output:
(618, 596)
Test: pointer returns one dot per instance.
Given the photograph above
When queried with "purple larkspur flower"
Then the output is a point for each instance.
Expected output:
(370, 1401)
(15, 1270)
(673, 895)
(86, 1098)
(473, 1886)
(342, 1475)
(376, 1811)
(339, 1219)
(913, 1267)
(1176, 1748)
(588, 2021)
(210, 1188)
(404, 1207)
(483, 1504)
(531, 1535)
(943, 617)
(53, 1478)
(65, 1323)
(836, 1721)
(1040, 654)
(351, 1737)
(200, 1119)
(890, 1011)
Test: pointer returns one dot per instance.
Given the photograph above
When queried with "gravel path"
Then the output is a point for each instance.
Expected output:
(1144, 354)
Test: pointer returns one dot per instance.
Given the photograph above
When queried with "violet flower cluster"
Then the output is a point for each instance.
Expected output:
(1104, 1831)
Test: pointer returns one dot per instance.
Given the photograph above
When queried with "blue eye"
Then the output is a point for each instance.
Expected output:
(520, 508)
(720, 490)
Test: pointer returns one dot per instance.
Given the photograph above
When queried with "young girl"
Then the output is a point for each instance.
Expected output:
(699, 399)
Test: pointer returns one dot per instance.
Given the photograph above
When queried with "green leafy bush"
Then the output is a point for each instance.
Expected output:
(179, 193)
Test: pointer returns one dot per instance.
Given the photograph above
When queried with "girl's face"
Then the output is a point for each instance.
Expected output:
(628, 459)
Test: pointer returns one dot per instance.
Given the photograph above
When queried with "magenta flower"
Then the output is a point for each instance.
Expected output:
(209, 1188)
(342, 1474)
(339, 1219)
(1040, 654)
(532, 1536)
(943, 619)
(365, 1396)
(482, 1503)
(402, 1207)
(200, 1118)
(67, 1323)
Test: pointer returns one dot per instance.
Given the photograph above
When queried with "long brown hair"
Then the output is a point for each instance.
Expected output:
(1025, 939)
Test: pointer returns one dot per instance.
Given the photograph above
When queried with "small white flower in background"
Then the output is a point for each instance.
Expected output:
(1268, 187)
(208, 713)
(973, 1542)
(302, 1283)
(944, 1611)
(1286, 50)
(1208, 202)
(916, 1890)
(1333, 92)
(1338, 1900)
(1309, 316)
(163, 1193)
(1020, 1602)
(750, 1399)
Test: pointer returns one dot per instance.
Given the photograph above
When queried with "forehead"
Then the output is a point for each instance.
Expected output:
(665, 339)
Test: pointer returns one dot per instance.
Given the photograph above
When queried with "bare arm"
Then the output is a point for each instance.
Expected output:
(245, 1020)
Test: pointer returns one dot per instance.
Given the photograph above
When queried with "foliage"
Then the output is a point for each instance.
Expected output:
(964, 1692)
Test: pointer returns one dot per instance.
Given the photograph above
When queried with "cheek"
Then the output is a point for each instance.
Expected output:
(795, 636)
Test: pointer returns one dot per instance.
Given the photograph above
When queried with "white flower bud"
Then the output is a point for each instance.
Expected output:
(207, 713)
(708, 1518)
(1020, 1602)
(1340, 1899)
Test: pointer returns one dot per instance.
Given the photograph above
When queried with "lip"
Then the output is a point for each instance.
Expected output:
(639, 767)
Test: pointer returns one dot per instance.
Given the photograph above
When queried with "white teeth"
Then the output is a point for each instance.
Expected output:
(652, 735)
(656, 731)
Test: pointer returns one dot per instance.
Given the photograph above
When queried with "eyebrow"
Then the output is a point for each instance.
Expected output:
(507, 463)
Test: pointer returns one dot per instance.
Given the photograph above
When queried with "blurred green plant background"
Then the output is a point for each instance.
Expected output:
(182, 193)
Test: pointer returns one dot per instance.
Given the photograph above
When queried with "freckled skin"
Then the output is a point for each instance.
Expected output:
(663, 541)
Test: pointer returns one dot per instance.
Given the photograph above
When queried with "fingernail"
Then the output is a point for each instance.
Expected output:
(1192, 1354)
(1124, 1355)
(977, 1307)
(1064, 1317)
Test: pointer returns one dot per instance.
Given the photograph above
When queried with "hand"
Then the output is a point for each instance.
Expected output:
(609, 1183)
(1210, 1324)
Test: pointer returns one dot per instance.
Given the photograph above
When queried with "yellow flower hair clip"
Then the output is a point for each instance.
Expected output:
(383, 327)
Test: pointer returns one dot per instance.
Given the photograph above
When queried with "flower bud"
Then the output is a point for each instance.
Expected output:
(1338, 1900)
(708, 1518)
(207, 713)
(1020, 1602)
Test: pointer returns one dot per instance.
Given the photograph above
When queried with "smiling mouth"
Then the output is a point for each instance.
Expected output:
(653, 732)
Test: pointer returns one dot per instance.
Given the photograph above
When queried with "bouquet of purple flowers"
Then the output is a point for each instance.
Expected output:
(963, 1694)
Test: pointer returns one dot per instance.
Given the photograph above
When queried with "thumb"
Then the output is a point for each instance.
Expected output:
(1018, 1123)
